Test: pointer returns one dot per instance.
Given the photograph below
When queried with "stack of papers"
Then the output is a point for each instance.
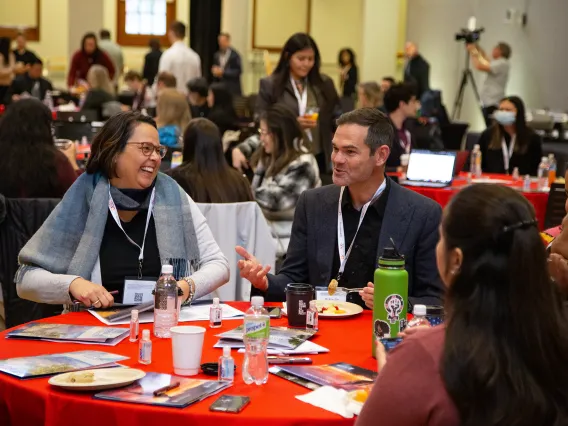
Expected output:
(70, 333)
(306, 348)
(281, 338)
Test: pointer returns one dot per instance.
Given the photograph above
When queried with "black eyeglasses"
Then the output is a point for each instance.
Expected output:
(147, 148)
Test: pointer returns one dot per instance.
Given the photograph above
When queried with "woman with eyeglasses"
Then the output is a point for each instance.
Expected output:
(120, 221)
(500, 358)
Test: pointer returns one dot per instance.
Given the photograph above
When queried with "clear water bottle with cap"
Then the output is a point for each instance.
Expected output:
(419, 320)
(255, 336)
(527, 184)
(475, 161)
(165, 303)
(543, 173)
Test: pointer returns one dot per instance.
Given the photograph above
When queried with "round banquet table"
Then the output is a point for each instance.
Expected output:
(443, 195)
(34, 402)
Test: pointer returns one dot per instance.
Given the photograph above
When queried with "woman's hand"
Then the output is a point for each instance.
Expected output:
(71, 154)
(90, 294)
(239, 160)
(368, 295)
(307, 123)
(187, 288)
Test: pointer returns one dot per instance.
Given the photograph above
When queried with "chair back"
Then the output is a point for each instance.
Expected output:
(239, 224)
(19, 221)
(555, 209)
(453, 134)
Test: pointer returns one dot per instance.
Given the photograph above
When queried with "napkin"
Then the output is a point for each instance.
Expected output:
(331, 399)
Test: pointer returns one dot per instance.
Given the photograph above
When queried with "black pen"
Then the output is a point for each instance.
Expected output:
(162, 391)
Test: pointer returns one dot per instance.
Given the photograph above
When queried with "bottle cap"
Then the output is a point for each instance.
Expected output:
(146, 334)
(419, 310)
(167, 269)
(215, 300)
(476, 146)
(313, 304)
(391, 257)
(134, 314)
(544, 159)
(226, 351)
(257, 301)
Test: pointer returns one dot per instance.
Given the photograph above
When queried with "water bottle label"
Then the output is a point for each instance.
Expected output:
(310, 318)
(394, 304)
(257, 329)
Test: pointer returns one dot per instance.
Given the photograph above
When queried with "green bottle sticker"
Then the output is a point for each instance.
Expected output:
(257, 329)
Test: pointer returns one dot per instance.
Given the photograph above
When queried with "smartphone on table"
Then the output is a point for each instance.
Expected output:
(230, 403)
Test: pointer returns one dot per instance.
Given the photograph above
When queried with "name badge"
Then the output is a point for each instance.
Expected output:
(138, 291)
(322, 294)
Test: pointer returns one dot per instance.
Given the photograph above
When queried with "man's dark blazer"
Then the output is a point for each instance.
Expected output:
(417, 72)
(231, 73)
(410, 219)
(23, 83)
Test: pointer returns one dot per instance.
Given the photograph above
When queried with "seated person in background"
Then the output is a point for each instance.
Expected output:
(509, 142)
(164, 80)
(143, 97)
(198, 89)
(205, 174)
(283, 166)
(558, 246)
(172, 116)
(31, 83)
(24, 57)
(221, 109)
(97, 232)
(369, 95)
(32, 167)
(400, 103)
(361, 146)
(483, 366)
(100, 91)
(386, 84)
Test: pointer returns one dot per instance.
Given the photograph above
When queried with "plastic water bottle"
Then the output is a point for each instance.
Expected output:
(165, 303)
(48, 100)
(226, 371)
(543, 173)
(312, 322)
(255, 336)
(475, 161)
(527, 184)
(516, 175)
(419, 320)
(551, 169)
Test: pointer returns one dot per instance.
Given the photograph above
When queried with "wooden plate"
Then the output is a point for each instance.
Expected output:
(105, 378)
(350, 309)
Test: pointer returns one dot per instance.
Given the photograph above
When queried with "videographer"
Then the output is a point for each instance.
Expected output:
(497, 70)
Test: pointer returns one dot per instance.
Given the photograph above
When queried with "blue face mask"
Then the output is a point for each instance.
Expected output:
(505, 118)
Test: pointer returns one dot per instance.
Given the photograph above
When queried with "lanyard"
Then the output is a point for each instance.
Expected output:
(508, 154)
(114, 214)
(341, 233)
(302, 98)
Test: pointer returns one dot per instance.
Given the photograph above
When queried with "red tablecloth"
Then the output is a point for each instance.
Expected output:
(443, 195)
(35, 402)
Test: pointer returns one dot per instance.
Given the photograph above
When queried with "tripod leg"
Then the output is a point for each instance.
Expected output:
(475, 91)
(459, 97)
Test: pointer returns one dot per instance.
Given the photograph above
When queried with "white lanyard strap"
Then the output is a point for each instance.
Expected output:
(507, 154)
(341, 232)
(302, 98)
(114, 214)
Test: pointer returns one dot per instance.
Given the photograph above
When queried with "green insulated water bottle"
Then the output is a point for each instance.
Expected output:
(391, 296)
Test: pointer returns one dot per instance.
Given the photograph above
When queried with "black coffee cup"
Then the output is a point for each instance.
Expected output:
(298, 297)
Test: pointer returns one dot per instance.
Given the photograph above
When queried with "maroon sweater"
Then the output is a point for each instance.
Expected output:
(409, 390)
(81, 63)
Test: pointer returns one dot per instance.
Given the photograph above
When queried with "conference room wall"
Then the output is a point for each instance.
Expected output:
(538, 62)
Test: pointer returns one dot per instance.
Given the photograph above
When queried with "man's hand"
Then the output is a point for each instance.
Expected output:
(217, 71)
(368, 294)
(252, 270)
(90, 294)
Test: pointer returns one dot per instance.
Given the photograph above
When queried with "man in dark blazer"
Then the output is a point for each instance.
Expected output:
(227, 66)
(417, 70)
(361, 146)
(31, 83)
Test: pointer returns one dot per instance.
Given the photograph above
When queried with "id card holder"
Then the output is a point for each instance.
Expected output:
(323, 294)
(138, 290)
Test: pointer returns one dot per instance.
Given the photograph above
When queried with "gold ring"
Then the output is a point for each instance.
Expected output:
(97, 301)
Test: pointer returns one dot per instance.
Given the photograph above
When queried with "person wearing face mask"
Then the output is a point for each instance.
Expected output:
(509, 142)
(298, 83)
(119, 222)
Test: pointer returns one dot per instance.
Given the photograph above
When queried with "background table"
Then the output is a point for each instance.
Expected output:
(35, 402)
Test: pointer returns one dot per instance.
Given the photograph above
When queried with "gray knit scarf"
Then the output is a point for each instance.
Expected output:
(69, 240)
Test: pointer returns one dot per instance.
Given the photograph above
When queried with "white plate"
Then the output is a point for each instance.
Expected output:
(105, 378)
(350, 308)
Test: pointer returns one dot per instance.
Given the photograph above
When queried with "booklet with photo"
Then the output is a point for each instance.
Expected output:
(121, 314)
(173, 391)
(47, 365)
(280, 337)
(69, 333)
(340, 375)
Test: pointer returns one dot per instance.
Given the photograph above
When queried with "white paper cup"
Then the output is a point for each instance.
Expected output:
(187, 346)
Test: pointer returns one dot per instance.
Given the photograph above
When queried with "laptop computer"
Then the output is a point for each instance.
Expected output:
(430, 169)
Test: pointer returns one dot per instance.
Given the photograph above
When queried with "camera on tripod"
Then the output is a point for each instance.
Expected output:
(469, 36)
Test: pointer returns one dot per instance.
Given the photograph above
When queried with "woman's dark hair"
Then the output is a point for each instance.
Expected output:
(287, 136)
(351, 57)
(5, 49)
(205, 174)
(28, 154)
(111, 140)
(523, 132)
(296, 43)
(88, 36)
(506, 347)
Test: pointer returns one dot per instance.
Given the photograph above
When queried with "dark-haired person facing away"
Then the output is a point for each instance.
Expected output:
(361, 146)
(298, 83)
(198, 89)
(120, 219)
(227, 66)
(32, 167)
(500, 357)
(205, 174)
(31, 83)
(143, 96)
(509, 142)
(152, 61)
(221, 109)
(90, 54)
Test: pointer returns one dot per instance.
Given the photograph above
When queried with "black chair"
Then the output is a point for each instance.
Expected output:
(555, 208)
(74, 130)
(19, 221)
(77, 116)
(453, 134)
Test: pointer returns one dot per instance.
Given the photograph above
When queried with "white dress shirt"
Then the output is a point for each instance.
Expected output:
(183, 62)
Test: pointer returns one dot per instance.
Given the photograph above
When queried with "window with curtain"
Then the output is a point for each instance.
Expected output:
(140, 20)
